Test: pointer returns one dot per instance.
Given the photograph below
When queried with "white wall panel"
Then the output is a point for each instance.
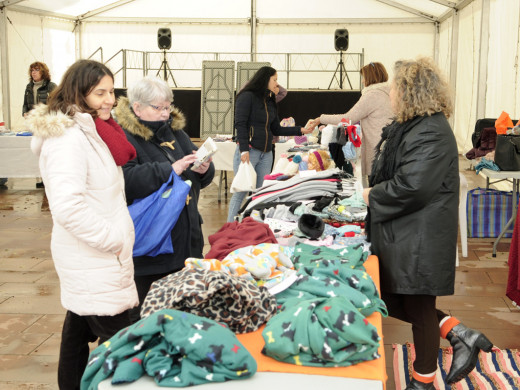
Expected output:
(465, 94)
(502, 88)
(34, 38)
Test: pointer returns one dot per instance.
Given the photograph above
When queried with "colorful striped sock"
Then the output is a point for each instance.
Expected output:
(448, 325)
(424, 378)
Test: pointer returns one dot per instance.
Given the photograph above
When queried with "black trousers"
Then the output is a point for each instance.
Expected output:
(143, 284)
(78, 332)
(420, 311)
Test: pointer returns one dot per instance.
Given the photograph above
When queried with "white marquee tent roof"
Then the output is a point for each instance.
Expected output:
(433, 10)
(476, 42)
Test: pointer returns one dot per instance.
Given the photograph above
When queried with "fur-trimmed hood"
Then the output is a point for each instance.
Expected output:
(45, 124)
(126, 118)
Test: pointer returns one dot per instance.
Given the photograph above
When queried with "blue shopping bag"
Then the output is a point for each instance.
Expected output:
(155, 216)
(488, 211)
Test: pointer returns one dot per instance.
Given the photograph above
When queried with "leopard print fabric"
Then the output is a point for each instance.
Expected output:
(239, 303)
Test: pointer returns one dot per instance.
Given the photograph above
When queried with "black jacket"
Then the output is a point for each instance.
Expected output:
(256, 121)
(414, 215)
(149, 170)
(43, 92)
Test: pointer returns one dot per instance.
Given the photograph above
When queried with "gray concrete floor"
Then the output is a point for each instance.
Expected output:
(31, 314)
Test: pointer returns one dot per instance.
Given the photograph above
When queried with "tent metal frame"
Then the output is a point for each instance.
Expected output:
(452, 11)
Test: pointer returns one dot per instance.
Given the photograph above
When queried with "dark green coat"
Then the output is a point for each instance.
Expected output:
(414, 215)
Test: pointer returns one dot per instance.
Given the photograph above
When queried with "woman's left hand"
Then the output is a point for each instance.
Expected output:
(203, 168)
(366, 193)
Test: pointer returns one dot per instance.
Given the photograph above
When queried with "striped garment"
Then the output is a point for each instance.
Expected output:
(498, 370)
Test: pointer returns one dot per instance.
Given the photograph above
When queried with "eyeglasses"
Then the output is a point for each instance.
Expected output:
(35, 69)
(161, 108)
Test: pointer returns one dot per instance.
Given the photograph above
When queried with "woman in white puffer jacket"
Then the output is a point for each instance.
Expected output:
(81, 150)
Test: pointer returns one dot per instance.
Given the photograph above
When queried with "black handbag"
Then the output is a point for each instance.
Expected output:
(507, 152)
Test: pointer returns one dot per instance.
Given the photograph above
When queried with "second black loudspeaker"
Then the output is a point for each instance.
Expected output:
(164, 38)
(341, 39)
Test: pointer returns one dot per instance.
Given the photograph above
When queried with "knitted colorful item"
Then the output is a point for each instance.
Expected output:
(300, 139)
(178, 349)
(322, 332)
(238, 303)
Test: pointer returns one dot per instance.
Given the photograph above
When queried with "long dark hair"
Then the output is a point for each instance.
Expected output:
(77, 82)
(259, 82)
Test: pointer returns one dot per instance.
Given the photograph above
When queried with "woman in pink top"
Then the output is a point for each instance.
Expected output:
(373, 110)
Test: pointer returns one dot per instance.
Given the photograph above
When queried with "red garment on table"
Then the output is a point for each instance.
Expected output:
(513, 279)
(235, 235)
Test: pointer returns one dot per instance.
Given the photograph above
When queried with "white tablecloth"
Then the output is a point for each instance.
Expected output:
(223, 158)
(263, 380)
(16, 157)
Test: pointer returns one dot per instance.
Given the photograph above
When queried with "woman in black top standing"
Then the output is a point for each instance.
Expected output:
(256, 122)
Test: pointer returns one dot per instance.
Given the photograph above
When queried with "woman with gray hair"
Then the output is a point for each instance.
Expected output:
(155, 128)
(412, 219)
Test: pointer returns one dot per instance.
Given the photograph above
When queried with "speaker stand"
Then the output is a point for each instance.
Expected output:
(166, 70)
(341, 69)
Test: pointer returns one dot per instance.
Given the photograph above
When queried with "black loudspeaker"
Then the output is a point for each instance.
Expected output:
(341, 39)
(164, 38)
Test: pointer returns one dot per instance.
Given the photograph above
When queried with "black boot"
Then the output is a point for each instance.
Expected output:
(466, 344)
(416, 385)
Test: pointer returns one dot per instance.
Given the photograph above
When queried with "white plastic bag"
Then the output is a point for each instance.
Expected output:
(245, 179)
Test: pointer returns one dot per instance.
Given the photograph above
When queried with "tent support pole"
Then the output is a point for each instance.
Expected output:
(453, 57)
(6, 96)
(77, 36)
(253, 30)
(483, 60)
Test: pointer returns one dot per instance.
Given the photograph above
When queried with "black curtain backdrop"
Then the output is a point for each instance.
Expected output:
(302, 105)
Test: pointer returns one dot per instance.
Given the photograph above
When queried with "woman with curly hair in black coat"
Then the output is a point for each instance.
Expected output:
(412, 223)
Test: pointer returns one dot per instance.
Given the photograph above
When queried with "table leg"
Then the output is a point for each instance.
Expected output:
(511, 220)
(225, 184)
(220, 179)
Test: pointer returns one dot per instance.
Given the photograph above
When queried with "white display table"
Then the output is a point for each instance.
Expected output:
(16, 157)
(263, 380)
(223, 160)
(369, 375)
(514, 177)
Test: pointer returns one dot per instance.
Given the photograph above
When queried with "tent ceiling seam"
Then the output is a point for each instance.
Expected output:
(107, 7)
(411, 10)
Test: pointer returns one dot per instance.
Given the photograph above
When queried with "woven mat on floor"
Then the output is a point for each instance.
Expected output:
(499, 369)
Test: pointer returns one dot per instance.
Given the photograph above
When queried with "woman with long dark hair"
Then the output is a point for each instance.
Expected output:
(81, 153)
(256, 122)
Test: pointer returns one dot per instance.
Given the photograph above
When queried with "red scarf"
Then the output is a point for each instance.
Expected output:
(114, 136)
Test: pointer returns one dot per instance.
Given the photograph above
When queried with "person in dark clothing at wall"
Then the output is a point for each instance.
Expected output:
(412, 219)
(39, 87)
(155, 128)
(37, 91)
